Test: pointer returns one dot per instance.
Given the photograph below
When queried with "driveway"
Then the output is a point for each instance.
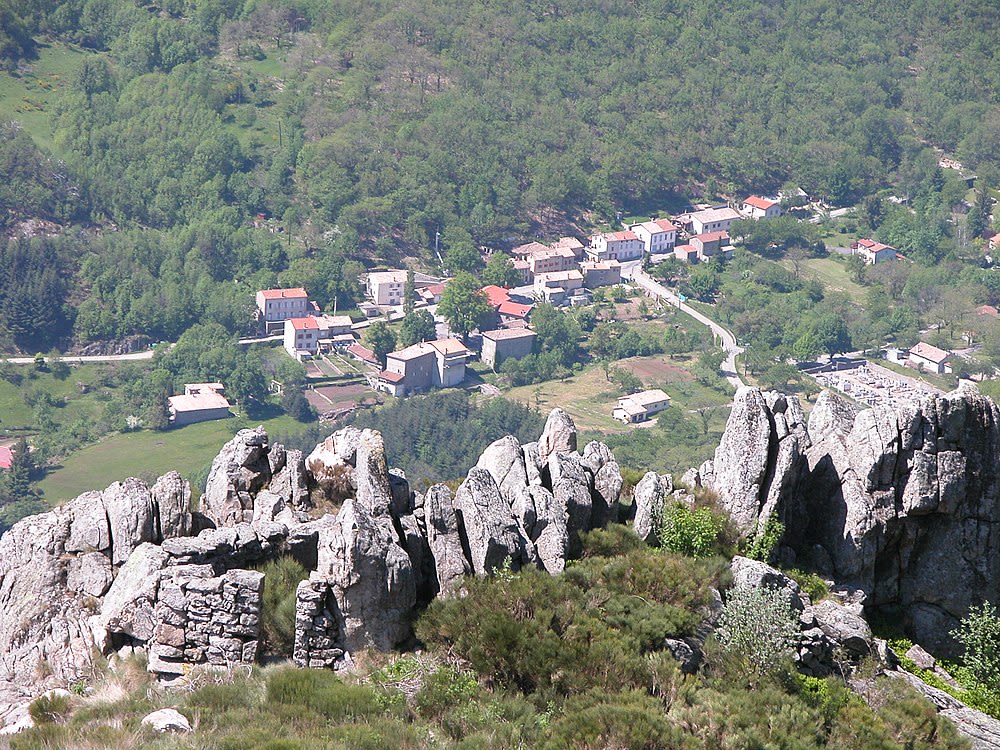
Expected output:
(729, 345)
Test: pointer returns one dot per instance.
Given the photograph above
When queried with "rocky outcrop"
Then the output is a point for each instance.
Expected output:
(132, 568)
(902, 504)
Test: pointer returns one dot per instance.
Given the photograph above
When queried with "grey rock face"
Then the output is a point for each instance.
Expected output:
(317, 633)
(370, 575)
(167, 720)
(490, 530)
(559, 435)
(649, 497)
(843, 627)
(571, 490)
(504, 460)
(545, 522)
(753, 573)
(450, 564)
(289, 481)
(237, 473)
(129, 604)
(90, 574)
(172, 501)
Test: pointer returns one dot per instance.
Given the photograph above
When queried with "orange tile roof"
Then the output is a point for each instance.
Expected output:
(495, 295)
(304, 324)
(296, 293)
(515, 309)
(762, 203)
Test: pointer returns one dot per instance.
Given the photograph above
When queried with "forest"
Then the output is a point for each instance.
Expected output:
(363, 129)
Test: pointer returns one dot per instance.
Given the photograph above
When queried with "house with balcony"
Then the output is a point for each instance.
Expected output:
(657, 236)
(422, 366)
(310, 334)
(275, 306)
(756, 207)
(872, 252)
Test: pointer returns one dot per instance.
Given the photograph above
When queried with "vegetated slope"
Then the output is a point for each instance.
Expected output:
(368, 127)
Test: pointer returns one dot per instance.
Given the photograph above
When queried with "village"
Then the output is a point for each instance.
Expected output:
(565, 273)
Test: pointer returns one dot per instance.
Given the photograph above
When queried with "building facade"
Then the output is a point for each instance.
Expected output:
(506, 343)
(277, 305)
(200, 402)
(657, 236)
(620, 246)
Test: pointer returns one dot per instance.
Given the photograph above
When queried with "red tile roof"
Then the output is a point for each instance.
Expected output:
(390, 377)
(296, 293)
(762, 203)
(362, 353)
(6, 457)
(515, 309)
(304, 324)
(622, 236)
(988, 310)
(930, 352)
(713, 236)
(496, 295)
(666, 225)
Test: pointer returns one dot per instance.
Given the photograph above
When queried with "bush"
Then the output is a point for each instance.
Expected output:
(616, 539)
(445, 689)
(756, 631)
(626, 720)
(810, 583)
(49, 709)
(281, 578)
(690, 531)
(324, 693)
(979, 634)
(765, 542)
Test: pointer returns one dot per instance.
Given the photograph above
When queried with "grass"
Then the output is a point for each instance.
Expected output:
(15, 411)
(832, 274)
(28, 97)
(148, 454)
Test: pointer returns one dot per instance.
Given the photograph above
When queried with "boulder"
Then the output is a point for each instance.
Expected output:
(572, 491)
(172, 501)
(90, 574)
(237, 473)
(289, 481)
(370, 575)
(131, 517)
(559, 435)
(648, 498)
(544, 522)
(167, 720)
(374, 491)
(129, 604)
(450, 564)
(490, 529)
(504, 460)
(753, 573)
(843, 627)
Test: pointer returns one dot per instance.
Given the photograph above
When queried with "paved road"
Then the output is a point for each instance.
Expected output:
(729, 345)
(89, 359)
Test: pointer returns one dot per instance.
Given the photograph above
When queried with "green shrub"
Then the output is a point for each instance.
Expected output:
(323, 692)
(756, 631)
(615, 539)
(626, 720)
(762, 546)
(690, 531)
(979, 634)
(810, 583)
(49, 709)
(277, 614)
(444, 689)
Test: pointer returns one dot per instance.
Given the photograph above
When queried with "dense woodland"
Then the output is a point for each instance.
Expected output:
(365, 128)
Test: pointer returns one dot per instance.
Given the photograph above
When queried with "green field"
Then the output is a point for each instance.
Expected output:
(147, 454)
(79, 395)
(832, 274)
(28, 97)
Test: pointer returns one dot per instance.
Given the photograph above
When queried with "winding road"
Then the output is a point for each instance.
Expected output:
(88, 359)
(729, 345)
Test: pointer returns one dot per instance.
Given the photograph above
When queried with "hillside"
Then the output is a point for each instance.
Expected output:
(365, 129)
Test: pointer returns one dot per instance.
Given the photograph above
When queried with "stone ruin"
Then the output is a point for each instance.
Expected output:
(135, 568)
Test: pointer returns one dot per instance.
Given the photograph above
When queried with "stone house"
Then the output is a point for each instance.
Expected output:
(601, 273)
(200, 402)
(616, 246)
(506, 343)
(638, 407)
(657, 235)
(422, 366)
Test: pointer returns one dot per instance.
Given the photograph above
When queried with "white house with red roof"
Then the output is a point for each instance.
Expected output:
(930, 358)
(712, 219)
(277, 305)
(757, 207)
(656, 235)
(872, 252)
(620, 246)
(304, 336)
(6, 457)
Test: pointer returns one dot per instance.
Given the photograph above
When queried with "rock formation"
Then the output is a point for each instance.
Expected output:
(132, 568)
(902, 504)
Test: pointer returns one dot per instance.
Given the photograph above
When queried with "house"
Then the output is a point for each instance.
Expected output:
(386, 287)
(757, 207)
(431, 294)
(525, 251)
(551, 259)
(274, 306)
(686, 253)
(994, 243)
(514, 314)
(709, 244)
(616, 246)
(601, 273)
(417, 368)
(872, 252)
(638, 407)
(988, 310)
(362, 354)
(523, 269)
(507, 343)
(657, 235)
(304, 336)
(716, 219)
(495, 295)
(571, 243)
(552, 287)
(930, 358)
(200, 402)
(6, 457)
